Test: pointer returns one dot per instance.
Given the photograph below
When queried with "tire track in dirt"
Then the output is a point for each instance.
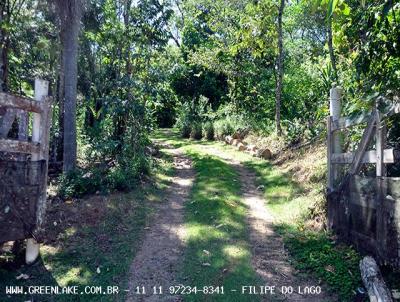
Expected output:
(158, 261)
(270, 260)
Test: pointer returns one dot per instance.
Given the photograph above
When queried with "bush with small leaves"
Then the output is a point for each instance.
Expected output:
(78, 183)
(185, 130)
(197, 131)
(208, 131)
(223, 128)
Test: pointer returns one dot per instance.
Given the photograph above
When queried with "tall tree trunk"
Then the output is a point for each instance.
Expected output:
(10, 114)
(279, 71)
(127, 8)
(70, 13)
(70, 52)
(331, 50)
(3, 46)
(60, 98)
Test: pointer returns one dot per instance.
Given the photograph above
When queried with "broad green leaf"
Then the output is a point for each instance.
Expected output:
(331, 7)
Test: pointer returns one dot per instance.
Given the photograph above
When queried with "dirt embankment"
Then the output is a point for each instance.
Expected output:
(304, 165)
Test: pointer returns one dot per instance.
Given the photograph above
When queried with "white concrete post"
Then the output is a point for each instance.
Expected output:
(335, 102)
(41, 91)
(335, 106)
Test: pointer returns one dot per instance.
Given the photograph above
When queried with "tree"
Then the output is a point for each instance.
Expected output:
(331, 6)
(279, 70)
(9, 9)
(4, 43)
(331, 9)
(70, 14)
(4, 48)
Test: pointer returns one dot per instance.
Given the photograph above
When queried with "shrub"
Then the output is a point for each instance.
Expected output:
(122, 178)
(209, 131)
(78, 182)
(196, 131)
(185, 130)
(121, 175)
(294, 131)
(184, 120)
(223, 128)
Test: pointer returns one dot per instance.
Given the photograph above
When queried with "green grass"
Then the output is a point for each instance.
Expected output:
(218, 252)
(314, 253)
(99, 254)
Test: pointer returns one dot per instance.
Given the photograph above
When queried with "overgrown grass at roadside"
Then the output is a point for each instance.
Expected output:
(316, 252)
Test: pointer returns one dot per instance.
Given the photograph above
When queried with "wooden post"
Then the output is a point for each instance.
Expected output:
(329, 154)
(381, 224)
(380, 145)
(363, 145)
(22, 125)
(335, 106)
(40, 131)
(373, 281)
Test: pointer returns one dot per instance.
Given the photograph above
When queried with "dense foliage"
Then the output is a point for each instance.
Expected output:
(229, 56)
(208, 67)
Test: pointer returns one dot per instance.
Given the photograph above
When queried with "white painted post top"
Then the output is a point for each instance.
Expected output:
(41, 89)
(335, 102)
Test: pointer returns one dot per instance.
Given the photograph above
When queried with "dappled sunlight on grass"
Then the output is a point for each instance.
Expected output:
(71, 231)
(234, 251)
(170, 137)
(163, 171)
(289, 194)
(201, 232)
(49, 250)
(217, 253)
(153, 197)
(283, 197)
(75, 275)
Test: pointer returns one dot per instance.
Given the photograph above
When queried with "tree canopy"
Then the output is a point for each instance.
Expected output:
(148, 63)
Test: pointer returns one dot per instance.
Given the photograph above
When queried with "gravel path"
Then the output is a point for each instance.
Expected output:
(158, 261)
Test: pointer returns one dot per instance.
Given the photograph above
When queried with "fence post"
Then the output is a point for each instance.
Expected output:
(329, 153)
(380, 144)
(38, 135)
(334, 139)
